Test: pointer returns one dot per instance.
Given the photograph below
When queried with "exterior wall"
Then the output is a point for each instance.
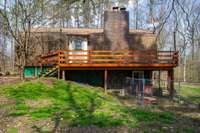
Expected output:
(96, 42)
(43, 43)
(141, 41)
(56, 41)
(136, 41)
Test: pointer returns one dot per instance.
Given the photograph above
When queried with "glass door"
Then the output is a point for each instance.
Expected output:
(137, 82)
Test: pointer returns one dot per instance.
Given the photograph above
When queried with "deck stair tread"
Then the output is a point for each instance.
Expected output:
(50, 71)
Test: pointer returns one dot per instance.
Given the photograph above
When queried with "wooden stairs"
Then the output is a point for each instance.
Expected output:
(50, 72)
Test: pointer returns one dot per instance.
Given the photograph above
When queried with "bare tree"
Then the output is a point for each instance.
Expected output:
(3, 45)
(25, 13)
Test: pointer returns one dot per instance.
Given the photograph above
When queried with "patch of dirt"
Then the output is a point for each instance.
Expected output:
(93, 129)
(178, 126)
(181, 109)
(9, 80)
(6, 106)
(4, 100)
(129, 102)
(186, 117)
(38, 103)
(43, 125)
(23, 124)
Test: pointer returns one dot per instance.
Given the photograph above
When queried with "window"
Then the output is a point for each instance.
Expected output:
(78, 45)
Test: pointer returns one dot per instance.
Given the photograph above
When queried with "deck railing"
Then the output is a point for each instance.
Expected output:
(110, 57)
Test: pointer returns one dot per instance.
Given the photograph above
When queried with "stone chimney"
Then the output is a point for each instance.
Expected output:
(116, 28)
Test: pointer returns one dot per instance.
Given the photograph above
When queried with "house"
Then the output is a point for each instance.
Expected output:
(101, 57)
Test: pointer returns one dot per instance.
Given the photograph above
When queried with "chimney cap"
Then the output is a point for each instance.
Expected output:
(123, 8)
(115, 8)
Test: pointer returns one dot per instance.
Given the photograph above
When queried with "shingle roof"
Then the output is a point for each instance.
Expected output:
(80, 31)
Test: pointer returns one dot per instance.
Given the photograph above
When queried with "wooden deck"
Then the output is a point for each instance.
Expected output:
(71, 59)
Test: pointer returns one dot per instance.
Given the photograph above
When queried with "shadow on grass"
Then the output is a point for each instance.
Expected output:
(83, 115)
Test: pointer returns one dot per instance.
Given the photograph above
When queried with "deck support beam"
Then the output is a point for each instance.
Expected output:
(105, 80)
(171, 82)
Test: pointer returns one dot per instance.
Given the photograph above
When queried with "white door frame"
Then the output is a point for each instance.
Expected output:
(84, 46)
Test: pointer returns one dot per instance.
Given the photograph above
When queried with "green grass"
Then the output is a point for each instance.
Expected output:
(190, 93)
(77, 105)
(12, 130)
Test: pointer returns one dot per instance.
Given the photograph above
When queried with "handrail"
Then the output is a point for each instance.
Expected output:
(110, 57)
(111, 51)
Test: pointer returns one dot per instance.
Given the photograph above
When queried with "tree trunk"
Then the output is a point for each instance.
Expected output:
(174, 40)
(3, 52)
(136, 15)
(184, 67)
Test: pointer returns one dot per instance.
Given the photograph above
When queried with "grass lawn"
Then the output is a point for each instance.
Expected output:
(50, 105)
(190, 94)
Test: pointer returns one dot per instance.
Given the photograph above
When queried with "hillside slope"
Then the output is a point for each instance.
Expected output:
(50, 105)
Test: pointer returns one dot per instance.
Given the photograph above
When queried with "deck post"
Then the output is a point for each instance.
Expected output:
(40, 69)
(58, 72)
(105, 80)
(63, 74)
(35, 71)
(171, 82)
(159, 83)
(142, 92)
